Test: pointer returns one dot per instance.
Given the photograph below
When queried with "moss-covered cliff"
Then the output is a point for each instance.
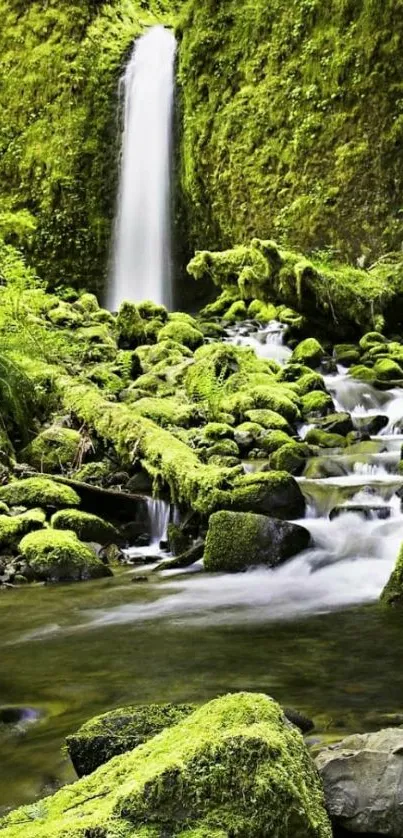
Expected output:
(58, 126)
(293, 121)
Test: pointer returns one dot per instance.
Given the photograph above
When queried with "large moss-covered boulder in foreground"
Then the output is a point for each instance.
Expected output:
(56, 556)
(234, 767)
(54, 449)
(238, 540)
(392, 593)
(39, 491)
(119, 731)
(87, 527)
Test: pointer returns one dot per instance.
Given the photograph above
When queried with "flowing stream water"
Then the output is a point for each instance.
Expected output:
(308, 633)
(142, 247)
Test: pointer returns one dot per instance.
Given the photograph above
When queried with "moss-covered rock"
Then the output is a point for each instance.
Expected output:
(270, 493)
(346, 354)
(268, 419)
(38, 491)
(130, 326)
(64, 315)
(316, 404)
(392, 593)
(96, 472)
(53, 450)
(12, 528)
(307, 383)
(181, 332)
(167, 411)
(56, 556)
(387, 370)
(309, 352)
(273, 440)
(371, 339)
(234, 763)
(152, 311)
(87, 527)
(336, 423)
(325, 440)
(362, 373)
(263, 312)
(236, 312)
(247, 435)
(290, 457)
(238, 540)
(119, 731)
(214, 431)
(223, 448)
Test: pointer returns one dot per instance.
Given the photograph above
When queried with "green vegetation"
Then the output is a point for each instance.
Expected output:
(56, 556)
(119, 731)
(86, 526)
(53, 450)
(38, 491)
(234, 764)
(392, 593)
(12, 528)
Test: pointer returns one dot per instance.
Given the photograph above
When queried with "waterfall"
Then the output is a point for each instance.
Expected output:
(142, 249)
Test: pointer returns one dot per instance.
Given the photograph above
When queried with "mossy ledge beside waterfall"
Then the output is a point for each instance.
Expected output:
(141, 264)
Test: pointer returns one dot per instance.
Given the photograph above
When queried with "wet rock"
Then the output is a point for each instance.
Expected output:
(335, 423)
(298, 719)
(59, 556)
(236, 541)
(366, 512)
(119, 731)
(392, 593)
(371, 425)
(362, 778)
(273, 493)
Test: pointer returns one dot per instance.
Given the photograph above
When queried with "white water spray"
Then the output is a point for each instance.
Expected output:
(142, 247)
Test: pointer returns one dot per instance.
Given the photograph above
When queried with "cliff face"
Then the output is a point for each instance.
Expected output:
(289, 125)
(293, 122)
(61, 61)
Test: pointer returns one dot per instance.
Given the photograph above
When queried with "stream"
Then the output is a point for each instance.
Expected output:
(71, 652)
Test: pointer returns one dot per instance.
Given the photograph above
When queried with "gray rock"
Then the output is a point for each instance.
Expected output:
(363, 782)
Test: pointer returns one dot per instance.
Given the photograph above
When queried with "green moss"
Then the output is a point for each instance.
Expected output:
(263, 312)
(220, 305)
(56, 556)
(214, 431)
(181, 332)
(95, 472)
(130, 326)
(64, 315)
(97, 343)
(371, 339)
(12, 528)
(87, 527)
(362, 373)
(119, 731)
(233, 764)
(308, 382)
(267, 419)
(274, 397)
(103, 376)
(167, 411)
(151, 311)
(53, 450)
(290, 457)
(346, 354)
(316, 403)
(238, 540)
(87, 303)
(273, 440)
(392, 593)
(223, 448)
(270, 493)
(38, 491)
(309, 352)
(325, 440)
(387, 370)
(236, 312)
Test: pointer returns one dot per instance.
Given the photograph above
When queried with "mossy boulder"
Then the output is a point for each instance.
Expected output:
(236, 312)
(13, 527)
(59, 556)
(290, 457)
(247, 434)
(362, 373)
(308, 352)
(238, 540)
(263, 312)
(223, 448)
(53, 450)
(316, 404)
(119, 731)
(234, 763)
(267, 419)
(308, 382)
(346, 354)
(325, 440)
(87, 527)
(181, 332)
(39, 491)
(270, 493)
(387, 370)
(336, 423)
(273, 440)
(370, 339)
(130, 326)
(96, 472)
(167, 411)
(152, 311)
(214, 431)
(64, 315)
(392, 593)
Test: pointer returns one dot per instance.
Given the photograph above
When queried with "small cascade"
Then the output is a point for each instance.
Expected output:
(267, 341)
(158, 515)
(142, 249)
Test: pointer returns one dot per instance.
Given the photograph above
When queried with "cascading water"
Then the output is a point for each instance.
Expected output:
(142, 246)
